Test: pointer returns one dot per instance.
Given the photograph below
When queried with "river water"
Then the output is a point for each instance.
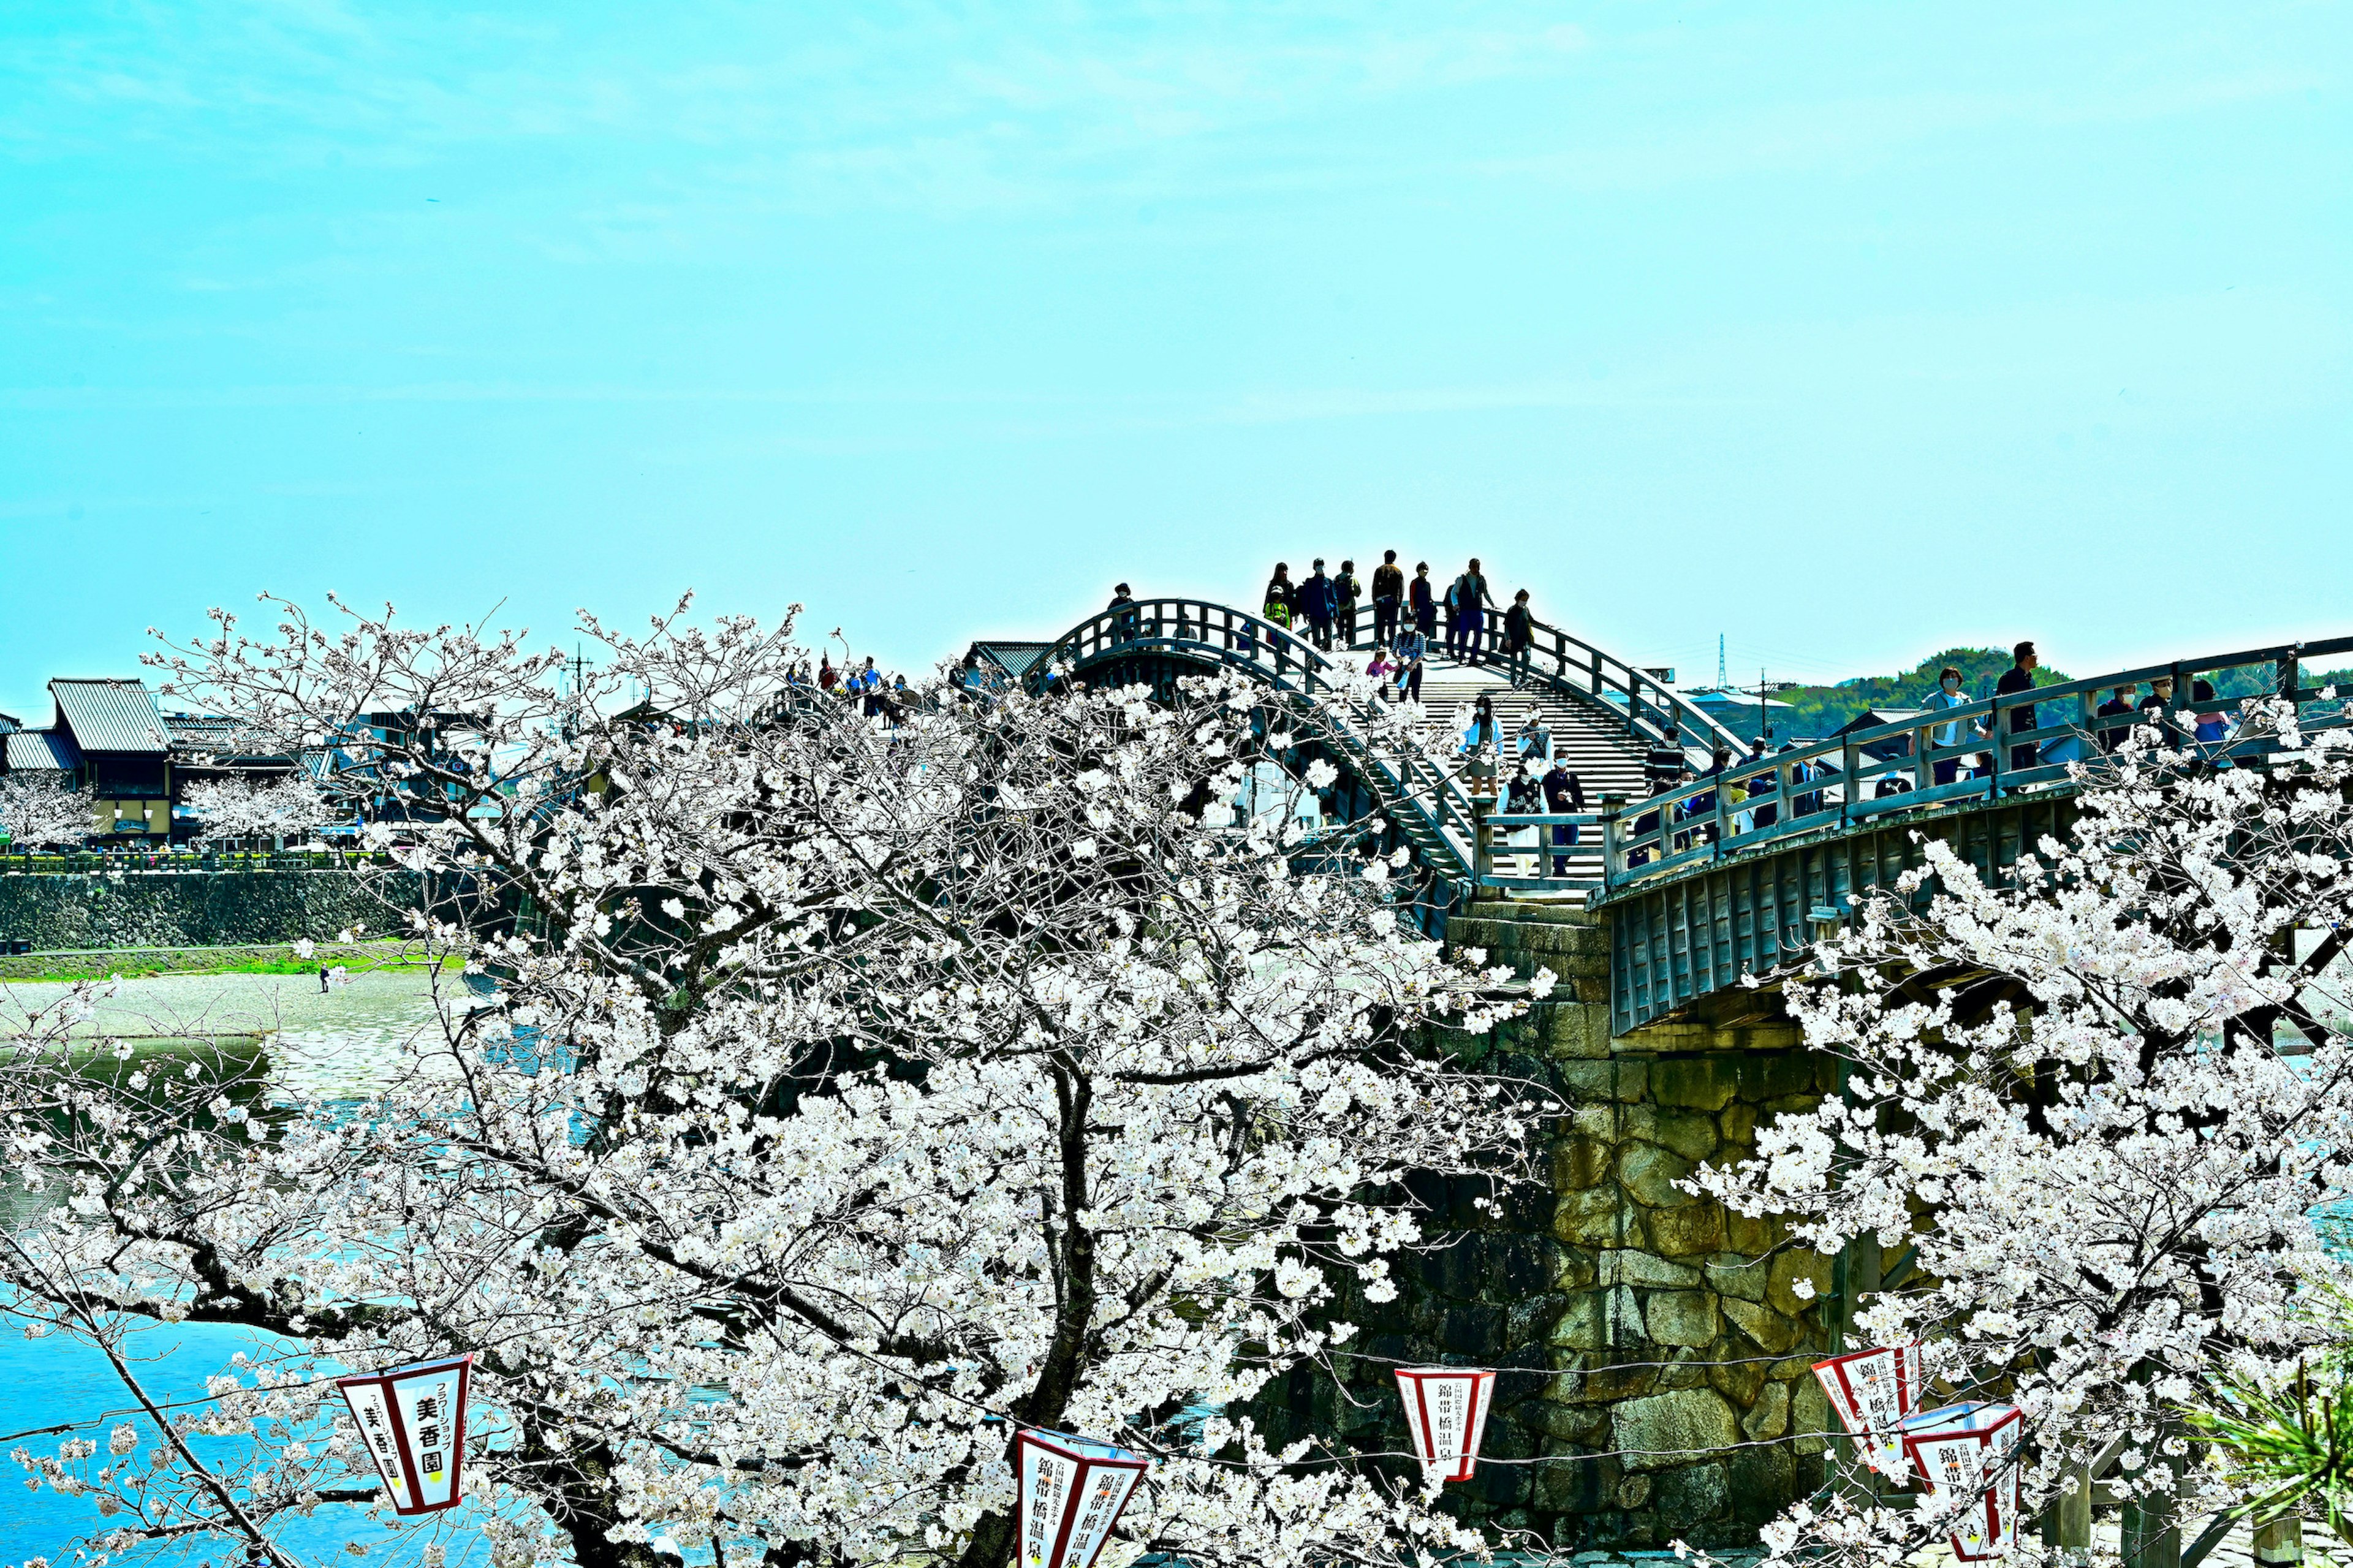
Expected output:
(333, 1045)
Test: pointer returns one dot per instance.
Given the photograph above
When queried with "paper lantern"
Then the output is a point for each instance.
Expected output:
(1072, 1490)
(1872, 1392)
(1446, 1412)
(414, 1424)
(1969, 1451)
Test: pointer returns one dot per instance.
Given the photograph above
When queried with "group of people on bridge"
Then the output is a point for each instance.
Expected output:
(1405, 614)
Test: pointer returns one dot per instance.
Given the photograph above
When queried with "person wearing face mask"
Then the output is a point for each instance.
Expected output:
(1948, 695)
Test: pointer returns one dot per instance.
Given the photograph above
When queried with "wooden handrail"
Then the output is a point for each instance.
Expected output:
(1831, 783)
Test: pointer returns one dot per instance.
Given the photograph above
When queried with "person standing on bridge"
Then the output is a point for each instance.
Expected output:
(1564, 794)
(1412, 648)
(1389, 593)
(1467, 622)
(1425, 603)
(2119, 705)
(1316, 601)
(1281, 594)
(1519, 636)
(2018, 678)
(1947, 695)
(1344, 592)
(1536, 738)
(1124, 628)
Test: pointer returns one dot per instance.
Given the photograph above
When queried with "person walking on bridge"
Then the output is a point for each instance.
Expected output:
(1564, 794)
(1947, 695)
(1124, 627)
(1389, 593)
(1281, 594)
(2119, 705)
(1412, 648)
(2020, 677)
(1519, 636)
(1425, 602)
(1344, 592)
(1316, 601)
(1467, 622)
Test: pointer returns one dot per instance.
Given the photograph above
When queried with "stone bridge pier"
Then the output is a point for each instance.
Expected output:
(1654, 1349)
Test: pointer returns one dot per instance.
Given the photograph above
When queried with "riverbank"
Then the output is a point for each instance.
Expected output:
(246, 958)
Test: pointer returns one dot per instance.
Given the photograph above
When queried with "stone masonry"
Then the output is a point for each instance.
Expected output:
(199, 909)
(1654, 1349)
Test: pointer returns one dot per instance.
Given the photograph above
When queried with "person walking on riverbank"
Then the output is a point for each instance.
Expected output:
(1389, 595)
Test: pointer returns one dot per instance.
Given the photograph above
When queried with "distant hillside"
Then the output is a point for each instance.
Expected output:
(1819, 710)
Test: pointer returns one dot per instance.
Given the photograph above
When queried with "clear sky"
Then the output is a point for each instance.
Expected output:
(1847, 331)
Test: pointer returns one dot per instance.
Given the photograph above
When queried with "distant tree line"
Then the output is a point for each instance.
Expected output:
(1817, 710)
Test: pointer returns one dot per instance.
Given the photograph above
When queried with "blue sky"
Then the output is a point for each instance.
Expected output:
(1847, 331)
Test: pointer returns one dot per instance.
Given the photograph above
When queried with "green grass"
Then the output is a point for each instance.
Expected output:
(139, 962)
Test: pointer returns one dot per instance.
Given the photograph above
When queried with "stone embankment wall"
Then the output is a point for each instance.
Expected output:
(201, 908)
(1654, 1349)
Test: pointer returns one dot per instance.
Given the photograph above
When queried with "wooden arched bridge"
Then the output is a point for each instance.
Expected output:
(1729, 874)
(1650, 1334)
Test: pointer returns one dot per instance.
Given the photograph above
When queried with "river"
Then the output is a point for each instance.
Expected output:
(333, 1045)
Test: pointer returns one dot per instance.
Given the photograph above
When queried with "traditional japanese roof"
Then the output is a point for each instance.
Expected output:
(1016, 659)
(10, 723)
(39, 751)
(110, 716)
(225, 740)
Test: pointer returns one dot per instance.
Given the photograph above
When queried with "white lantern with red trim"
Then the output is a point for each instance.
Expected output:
(1872, 1393)
(1971, 1451)
(1071, 1491)
(1446, 1412)
(413, 1421)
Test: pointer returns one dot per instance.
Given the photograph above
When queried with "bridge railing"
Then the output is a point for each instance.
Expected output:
(1415, 779)
(1975, 752)
(1655, 712)
(1521, 851)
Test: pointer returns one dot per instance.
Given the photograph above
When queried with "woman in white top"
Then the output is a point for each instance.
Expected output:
(1949, 695)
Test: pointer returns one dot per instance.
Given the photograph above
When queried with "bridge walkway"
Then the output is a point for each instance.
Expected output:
(1604, 715)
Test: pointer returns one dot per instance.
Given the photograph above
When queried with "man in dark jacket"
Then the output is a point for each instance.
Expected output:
(2119, 705)
(2020, 677)
(1424, 605)
(1519, 636)
(1564, 793)
(1122, 629)
(1466, 628)
(1389, 593)
(1344, 601)
(1316, 602)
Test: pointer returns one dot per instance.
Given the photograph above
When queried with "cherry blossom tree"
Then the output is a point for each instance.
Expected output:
(242, 807)
(39, 812)
(848, 1098)
(2099, 1107)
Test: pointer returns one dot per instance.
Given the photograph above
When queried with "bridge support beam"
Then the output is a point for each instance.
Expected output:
(1656, 1349)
